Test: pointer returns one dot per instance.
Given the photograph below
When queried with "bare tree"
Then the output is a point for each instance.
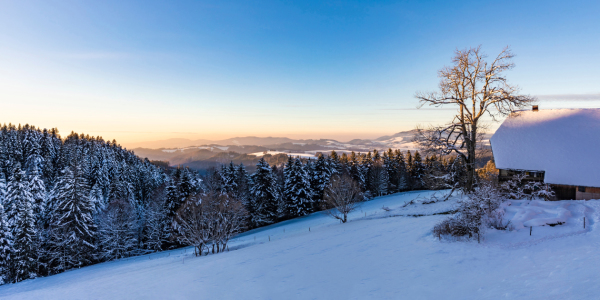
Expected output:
(191, 224)
(342, 197)
(210, 218)
(229, 218)
(476, 88)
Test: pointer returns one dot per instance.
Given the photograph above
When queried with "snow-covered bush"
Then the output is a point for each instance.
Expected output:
(514, 188)
(517, 189)
(543, 191)
(479, 210)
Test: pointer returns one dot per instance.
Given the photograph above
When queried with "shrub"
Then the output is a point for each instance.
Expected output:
(479, 210)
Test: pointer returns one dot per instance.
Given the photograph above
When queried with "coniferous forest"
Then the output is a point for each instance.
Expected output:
(71, 202)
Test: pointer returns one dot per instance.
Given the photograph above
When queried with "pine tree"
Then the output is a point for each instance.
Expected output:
(2, 188)
(25, 245)
(299, 194)
(335, 166)
(229, 176)
(403, 182)
(17, 191)
(417, 172)
(264, 196)
(97, 198)
(38, 192)
(365, 168)
(355, 171)
(319, 179)
(72, 227)
(288, 174)
(173, 196)
(6, 249)
(391, 167)
(242, 183)
(378, 179)
(117, 233)
(186, 186)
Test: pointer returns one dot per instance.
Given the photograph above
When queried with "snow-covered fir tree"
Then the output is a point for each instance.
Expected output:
(37, 189)
(117, 231)
(173, 195)
(417, 172)
(320, 174)
(335, 165)
(264, 195)
(2, 187)
(6, 250)
(355, 170)
(73, 229)
(228, 173)
(298, 201)
(17, 191)
(25, 261)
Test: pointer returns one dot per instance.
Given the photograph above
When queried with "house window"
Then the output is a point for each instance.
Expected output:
(581, 189)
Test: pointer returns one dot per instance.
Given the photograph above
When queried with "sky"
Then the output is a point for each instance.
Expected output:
(151, 70)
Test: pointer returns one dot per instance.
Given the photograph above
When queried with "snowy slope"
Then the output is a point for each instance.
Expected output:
(372, 257)
(562, 142)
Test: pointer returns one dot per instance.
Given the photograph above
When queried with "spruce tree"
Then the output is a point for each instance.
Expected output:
(288, 174)
(319, 179)
(417, 172)
(229, 176)
(355, 170)
(172, 201)
(242, 184)
(186, 186)
(365, 168)
(6, 249)
(403, 183)
(299, 196)
(17, 191)
(391, 167)
(335, 166)
(25, 236)
(2, 187)
(264, 196)
(38, 192)
(378, 179)
(72, 226)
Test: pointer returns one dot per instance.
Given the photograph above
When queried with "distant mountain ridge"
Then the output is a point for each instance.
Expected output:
(261, 141)
(247, 149)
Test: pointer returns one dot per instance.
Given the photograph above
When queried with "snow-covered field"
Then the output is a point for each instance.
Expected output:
(378, 254)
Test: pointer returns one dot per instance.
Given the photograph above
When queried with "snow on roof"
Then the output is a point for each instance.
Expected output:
(565, 143)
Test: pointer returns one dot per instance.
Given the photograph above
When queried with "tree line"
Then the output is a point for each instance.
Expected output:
(71, 202)
(298, 187)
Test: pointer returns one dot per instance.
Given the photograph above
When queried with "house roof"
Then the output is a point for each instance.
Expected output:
(565, 143)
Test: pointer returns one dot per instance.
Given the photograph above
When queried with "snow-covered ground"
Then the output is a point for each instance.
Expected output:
(378, 254)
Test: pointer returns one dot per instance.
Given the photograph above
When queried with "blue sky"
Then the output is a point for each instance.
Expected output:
(148, 70)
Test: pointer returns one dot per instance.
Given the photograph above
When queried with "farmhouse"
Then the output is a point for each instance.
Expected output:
(560, 147)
